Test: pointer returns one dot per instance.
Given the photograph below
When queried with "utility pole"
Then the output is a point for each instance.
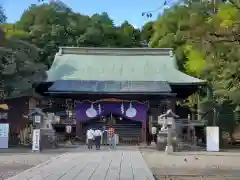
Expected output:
(214, 8)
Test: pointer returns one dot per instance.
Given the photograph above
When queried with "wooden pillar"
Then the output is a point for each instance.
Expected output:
(150, 123)
(79, 129)
(144, 132)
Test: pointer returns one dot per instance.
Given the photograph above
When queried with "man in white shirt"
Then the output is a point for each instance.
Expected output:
(98, 135)
(90, 138)
(154, 130)
(154, 134)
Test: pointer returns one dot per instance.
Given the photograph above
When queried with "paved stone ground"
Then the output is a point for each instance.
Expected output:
(193, 165)
(12, 164)
(17, 160)
(123, 163)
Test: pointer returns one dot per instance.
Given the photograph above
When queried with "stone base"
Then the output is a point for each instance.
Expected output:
(69, 142)
(153, 143)
(169, 149)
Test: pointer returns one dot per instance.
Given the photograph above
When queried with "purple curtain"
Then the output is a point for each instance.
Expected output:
(133, 111)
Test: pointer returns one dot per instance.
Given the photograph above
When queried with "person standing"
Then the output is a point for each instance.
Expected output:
(154, 134)
(90, 138)
(111, 136)
(105, 135)
(97, 135)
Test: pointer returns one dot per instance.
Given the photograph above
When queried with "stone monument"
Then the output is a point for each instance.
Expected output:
(167, 136)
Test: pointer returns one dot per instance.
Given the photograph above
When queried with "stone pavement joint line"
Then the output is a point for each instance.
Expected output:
(119, 164)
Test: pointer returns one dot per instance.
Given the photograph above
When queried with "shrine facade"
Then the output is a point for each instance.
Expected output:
(125, 85)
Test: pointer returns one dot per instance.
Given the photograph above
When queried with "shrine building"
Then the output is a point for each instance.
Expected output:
(123, 87)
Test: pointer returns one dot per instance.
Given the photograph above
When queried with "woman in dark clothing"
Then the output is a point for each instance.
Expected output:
(149, 137)
(105, 136)
(98, 135)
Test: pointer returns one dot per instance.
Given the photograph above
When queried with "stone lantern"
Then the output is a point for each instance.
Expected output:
(167, 136)
(43, 135)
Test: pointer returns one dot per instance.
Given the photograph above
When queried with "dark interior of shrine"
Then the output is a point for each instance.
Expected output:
(129, 131)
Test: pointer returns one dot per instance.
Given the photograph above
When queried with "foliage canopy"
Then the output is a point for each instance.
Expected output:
(206, 44)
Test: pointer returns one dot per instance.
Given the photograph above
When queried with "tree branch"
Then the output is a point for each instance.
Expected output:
(235, 4)
(228, 37)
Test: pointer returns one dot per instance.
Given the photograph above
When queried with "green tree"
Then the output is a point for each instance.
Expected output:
(205, 44)
(50, 26)
(19, 66)
(54, 24)
(206, 40)
(2, 15)
(19, 62)
(2, 20)
(130, 36)
(147, 31)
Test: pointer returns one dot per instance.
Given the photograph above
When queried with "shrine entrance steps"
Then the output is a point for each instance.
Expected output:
(122, 163)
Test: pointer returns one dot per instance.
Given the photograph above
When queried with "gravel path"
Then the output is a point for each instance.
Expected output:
(193, 165)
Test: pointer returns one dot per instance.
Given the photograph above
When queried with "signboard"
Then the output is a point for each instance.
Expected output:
(36, 140)
(4, 131)
(212, 138)
(4, 128)
(37, 119)
(68, 129)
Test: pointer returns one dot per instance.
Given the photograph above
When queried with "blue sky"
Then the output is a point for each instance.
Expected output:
(118, 10)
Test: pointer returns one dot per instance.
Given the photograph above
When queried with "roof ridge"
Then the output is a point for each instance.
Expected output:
(115, 51)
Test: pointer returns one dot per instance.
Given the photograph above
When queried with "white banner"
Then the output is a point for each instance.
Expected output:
(36, 140)
(4, 130)
(212, 135)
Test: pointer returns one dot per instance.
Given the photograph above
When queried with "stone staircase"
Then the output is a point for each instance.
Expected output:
(128, 133)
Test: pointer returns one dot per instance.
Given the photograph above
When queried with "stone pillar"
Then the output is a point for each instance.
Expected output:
(169, 147)
(171, 104)
(194, 136)
(171, 130)
(189, 128)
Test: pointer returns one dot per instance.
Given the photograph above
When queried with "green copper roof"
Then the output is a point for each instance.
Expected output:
(112, 64)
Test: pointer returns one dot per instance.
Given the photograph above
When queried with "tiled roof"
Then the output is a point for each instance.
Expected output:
(112, 64)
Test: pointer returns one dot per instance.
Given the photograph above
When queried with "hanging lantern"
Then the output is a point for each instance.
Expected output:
(91, 112)
(131, 111)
